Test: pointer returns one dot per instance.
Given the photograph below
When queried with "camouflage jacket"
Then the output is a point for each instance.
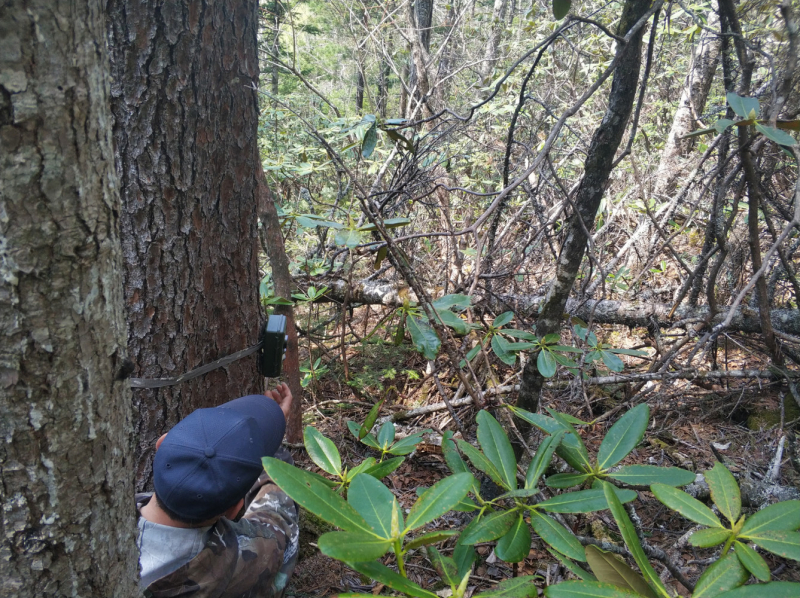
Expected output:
(249, 558)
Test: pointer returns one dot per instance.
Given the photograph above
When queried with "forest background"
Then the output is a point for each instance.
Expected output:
(445, 186)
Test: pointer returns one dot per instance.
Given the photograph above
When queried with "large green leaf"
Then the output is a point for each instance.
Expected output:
(542, 458)
(724, 491)
(481, 463)
(431, 538)
(571, 448)
(689, 507)
(515, 587)
(314, 496)
(743, 106)
(645, 475)
(451, 456)
(573, 567)
(503, 319)
(456, 300)
(367, 463)
(424, 338)
(546, 363)
(751, 560)
(583, 501)
(353, 546)
(780, 516)
(438, 499)
(488, 527)
(587, 589)
(776, 135)
(464, 557)
(370, 420)
(610, 568)
(374, 502)
(497, 448)
(566, 480)
(448, 318)
(370, 140)
(711, 536)
(557, 536)
(727, 573)
(406, 445)
(561, 8)
(612, 362)
(774, 589)
(394, 580)
(501, 348)
(386, 435)
(623, 436)
(388, 223)
(782, 543)
(322, 451)
(515, 545)
(628, 532)
(368, 439)
(384, 468)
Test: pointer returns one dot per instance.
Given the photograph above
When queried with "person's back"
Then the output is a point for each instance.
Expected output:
(190, 543)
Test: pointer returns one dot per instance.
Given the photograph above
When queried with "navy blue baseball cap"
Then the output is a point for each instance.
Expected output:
(211, 458)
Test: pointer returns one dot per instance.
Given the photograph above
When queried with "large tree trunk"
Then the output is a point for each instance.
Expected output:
(420, 18)
(67, 485)
(186, 122)
(597, 168)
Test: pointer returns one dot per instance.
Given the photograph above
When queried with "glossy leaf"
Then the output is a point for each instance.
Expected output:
(450, 319)
(424, 338)
(623, 436)
(431, 538)
(497, 448)
(628, 532)
(546, 363)
(406, 445)
(322, 451)
(587, 589)
(711, 536)
(724, 491)
(515, 587)
(438, 500)
(743, 106)
(382, 573)
(583, 501)
(314, 496)
(367, 463)
(384, 468)
(571, 448)
(610, 568)
(780, 516)
(455, 300)
(503, 319)
(368, 439)
(388, 223)
(464, 557)
(561, 8)
(557, 536)
(500, 348)
(481, 463)
(776, 135)
(727, 573)
(374, 502)
(488, 528)
(386, 434)
(782, 543)
(613, 363)
(353, 546)
(722, 124)
(752, 561)
(522, 334)
(689, 507)
(542, 458)
(566, 480)
(646, 475)
(515, 545)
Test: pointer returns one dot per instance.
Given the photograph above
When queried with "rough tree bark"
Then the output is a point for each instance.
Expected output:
(65, 466)
(493, 45)
(272, 243)
(186, 124)
(420, 18)
(597, 168)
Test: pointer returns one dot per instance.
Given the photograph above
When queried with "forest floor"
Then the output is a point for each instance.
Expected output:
(693, 424)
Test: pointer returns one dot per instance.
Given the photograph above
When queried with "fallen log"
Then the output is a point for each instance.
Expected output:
(626, 313)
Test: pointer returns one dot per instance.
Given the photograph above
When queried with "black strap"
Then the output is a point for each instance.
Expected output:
(203, 369)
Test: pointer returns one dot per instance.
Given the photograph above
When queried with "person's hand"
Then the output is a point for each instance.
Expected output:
(282, 395)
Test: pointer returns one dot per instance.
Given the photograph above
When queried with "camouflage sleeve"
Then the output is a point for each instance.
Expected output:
(271, 507)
